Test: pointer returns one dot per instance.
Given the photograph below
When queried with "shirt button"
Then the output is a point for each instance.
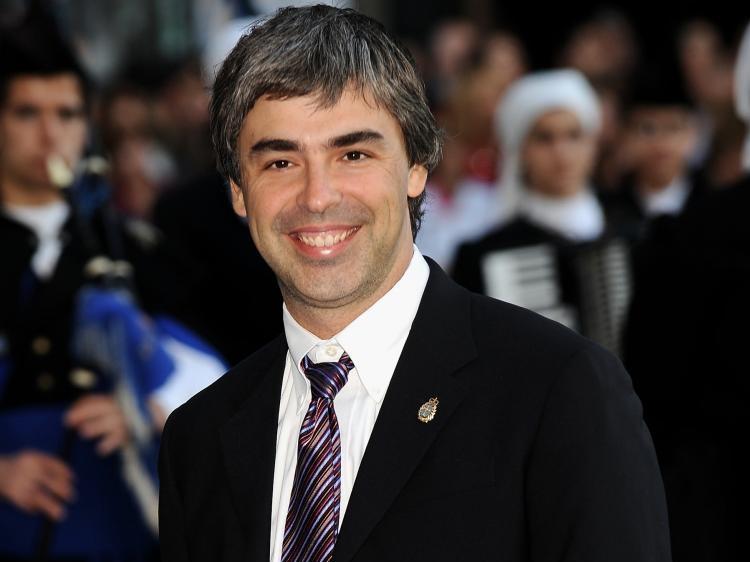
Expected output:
(332, 350)
(41, 345)
(82, 378)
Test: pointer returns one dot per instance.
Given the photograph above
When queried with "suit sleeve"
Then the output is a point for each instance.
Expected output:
(594, 491)
(172, 533)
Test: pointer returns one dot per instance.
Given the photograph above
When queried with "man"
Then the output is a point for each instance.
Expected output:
(548, 124)
(398, 417)
(198, 212)
(685, 346)
(62, 427)
(660, 136)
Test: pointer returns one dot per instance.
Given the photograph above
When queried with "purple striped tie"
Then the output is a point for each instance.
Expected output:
(313, 517)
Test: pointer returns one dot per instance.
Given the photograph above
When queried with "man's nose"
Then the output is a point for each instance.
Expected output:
(52, 131)
(320, 190)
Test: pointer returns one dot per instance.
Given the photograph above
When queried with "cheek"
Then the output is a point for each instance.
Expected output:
(376, 187)
(538, 162)
(73, 141)
(21, 140)
(685, 145)
(585, 157)
(265, 204)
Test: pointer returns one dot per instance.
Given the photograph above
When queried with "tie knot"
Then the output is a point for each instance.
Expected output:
(327, 378)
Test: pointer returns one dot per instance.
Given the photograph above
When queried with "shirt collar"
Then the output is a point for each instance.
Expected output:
(667, 201)
(374, 339)
(578, 218)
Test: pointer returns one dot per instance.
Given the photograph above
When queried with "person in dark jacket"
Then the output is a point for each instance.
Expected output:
(686, 348)
(659, 140)
(67, 439)
(547, 254)
(398, 416)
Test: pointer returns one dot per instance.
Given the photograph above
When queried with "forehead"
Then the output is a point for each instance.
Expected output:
(660, 113)
(305, 118)
(555, 119)
(55, 89)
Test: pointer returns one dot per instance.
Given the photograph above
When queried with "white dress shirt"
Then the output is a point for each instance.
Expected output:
(46, 221)
(667, 201)
(578, 218)
(374, 342)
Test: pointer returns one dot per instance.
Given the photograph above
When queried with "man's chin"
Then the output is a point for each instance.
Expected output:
(32, 190)
(321, 291)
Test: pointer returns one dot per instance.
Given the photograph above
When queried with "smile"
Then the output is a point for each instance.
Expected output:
(325, 238)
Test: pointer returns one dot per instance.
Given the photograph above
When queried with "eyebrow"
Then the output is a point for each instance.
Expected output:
(355, 137)
(274, 145)
(286, 145)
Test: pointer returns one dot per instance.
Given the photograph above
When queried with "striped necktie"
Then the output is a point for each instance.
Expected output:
(313, 516)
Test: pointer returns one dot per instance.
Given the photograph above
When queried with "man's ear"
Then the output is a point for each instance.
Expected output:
(238, 199)
(417, 180)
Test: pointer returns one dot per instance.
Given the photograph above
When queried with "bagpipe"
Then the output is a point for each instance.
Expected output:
(142, 357)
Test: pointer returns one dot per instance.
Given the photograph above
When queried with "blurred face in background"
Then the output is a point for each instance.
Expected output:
(40, 117)
(588, 44)
(658, 144)
(558, 155)
(126, 115)
(452, 44)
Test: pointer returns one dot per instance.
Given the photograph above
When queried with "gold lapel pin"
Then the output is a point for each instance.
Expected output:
(428, 410)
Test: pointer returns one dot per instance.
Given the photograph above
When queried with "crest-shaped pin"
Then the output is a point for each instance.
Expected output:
(428, 410)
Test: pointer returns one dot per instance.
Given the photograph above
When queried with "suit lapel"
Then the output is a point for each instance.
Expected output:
(249, 442)
(439, 343)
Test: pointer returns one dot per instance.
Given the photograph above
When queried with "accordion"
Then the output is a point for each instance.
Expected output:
(586, 287)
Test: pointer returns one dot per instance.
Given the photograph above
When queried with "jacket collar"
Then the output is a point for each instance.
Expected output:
(440, 343)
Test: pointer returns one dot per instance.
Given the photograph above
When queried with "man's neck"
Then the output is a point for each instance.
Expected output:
(323, 323)
(327, 321)
(649, 184)
(13, 194)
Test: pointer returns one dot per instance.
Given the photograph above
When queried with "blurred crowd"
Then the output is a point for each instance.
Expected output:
(609, 193)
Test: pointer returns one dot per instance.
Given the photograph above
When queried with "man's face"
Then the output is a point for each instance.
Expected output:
(659, 142)
(42, 116)
(325, 191)
(558, 155)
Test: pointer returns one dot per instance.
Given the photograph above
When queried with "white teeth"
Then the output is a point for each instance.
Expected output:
(323, 239)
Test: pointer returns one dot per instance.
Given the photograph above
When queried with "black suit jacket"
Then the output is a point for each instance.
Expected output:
(686, 347)
(538, 451)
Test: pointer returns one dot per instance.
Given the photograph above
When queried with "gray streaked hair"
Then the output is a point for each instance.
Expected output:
(322, 51)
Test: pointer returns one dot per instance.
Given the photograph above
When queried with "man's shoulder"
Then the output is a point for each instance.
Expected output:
(500, 330)
(216, 403)
(507, 332)
(532, 358)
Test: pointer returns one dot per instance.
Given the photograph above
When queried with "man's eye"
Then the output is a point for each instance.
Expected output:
(25, 112)
(69, 114)
(279, 164)
(354, 155)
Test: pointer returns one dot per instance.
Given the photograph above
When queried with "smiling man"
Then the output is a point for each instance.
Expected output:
(326, 190)
(398, 417)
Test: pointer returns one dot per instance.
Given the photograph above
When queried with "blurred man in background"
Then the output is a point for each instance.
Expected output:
(548, 124)
(659, 139)
(197, 212)
(462, 193)
(686, 348)
(64, 493)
